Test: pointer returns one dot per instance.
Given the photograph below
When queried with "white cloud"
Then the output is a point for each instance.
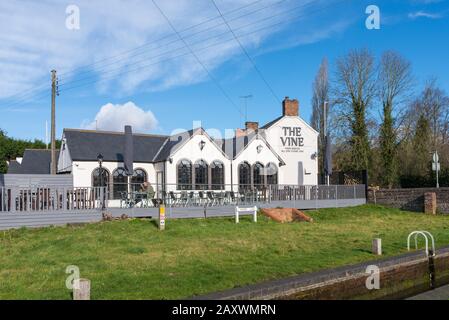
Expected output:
(114, 117)
(35, 40)
(423, 14)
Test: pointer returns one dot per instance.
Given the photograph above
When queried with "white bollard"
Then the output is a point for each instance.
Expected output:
(81, 289)
(377, 246)
(236, 214)
(255, 214)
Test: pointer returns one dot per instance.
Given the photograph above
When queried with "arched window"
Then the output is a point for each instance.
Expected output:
(272, 173)
(184, 169)
(217, 175)
(119, 183)
(201, 177)
(100, 181)
(139, 177)
(244, 175)
(258, 175)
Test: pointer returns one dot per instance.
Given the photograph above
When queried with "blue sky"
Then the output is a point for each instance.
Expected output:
(158, 92)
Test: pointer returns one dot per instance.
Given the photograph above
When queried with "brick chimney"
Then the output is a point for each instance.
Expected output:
(250, 125)
(290, 107)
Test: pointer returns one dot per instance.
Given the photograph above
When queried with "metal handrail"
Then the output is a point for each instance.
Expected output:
(425, 234)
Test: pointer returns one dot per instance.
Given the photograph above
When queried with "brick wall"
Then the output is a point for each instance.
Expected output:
(409, 199)
(400, 277)
(290, 107)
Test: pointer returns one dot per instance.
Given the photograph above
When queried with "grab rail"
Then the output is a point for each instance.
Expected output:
(426, 235)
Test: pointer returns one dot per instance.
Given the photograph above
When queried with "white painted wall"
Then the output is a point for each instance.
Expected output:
(292, 156)
(82, 171)
(193, 152)
(287, 174)
(251, 156)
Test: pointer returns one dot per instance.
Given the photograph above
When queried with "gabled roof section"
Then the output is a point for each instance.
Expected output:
(177, 141)
(271, 123)
(234, 146)
(85, 145)
(13, 167)
(35, 161)
(172, 144)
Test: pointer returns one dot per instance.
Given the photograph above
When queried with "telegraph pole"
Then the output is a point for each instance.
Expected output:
(325, 138)
(53, 122)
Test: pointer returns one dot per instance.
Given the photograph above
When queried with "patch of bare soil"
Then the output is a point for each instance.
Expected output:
(286, 215)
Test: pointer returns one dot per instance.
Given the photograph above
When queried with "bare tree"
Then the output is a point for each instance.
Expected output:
(354, 92)
(394, 84)
(435, 104)
(320, 97)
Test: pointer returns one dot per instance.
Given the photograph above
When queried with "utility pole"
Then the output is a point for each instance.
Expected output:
(46, 134)
(325, 139)
(53, 122)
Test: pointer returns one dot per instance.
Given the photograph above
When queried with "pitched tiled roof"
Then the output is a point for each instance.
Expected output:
(171, 144)
(35, 161)
(269, 124)
(233, 146)
(14, 167)
(85, 145)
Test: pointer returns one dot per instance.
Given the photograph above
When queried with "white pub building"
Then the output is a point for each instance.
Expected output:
(282, 152)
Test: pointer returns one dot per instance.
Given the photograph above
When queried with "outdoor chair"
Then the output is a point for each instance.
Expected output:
(227, 198)
(192, 198)
(211, 199)
(173, 199)
(220, 197)
(183, 199)
(124, 201)
(242, 195)
(157, 202)
(201, 198)
(233, 198)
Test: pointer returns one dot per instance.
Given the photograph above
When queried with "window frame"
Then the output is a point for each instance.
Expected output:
(198, 184)
(220, 185)
(180, 185)
(115, 190)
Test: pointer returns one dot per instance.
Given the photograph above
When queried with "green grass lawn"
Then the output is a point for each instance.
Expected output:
(134, 260)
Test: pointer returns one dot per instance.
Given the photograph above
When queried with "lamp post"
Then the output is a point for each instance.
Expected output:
(102, 191)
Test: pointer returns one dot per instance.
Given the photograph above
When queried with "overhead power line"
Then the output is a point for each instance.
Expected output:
(246, 53)
(196, 57)
(178, 40)
(161, 39)
(291, 18)
(270, 17)
(29, 93)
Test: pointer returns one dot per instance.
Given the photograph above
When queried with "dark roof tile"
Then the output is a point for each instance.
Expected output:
(85, 145)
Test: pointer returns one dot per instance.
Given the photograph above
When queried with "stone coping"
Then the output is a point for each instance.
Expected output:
(278, 287)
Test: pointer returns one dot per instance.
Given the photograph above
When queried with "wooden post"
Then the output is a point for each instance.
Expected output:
(377, 246)
(53, 164)
(161, 217)
(81, 289)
